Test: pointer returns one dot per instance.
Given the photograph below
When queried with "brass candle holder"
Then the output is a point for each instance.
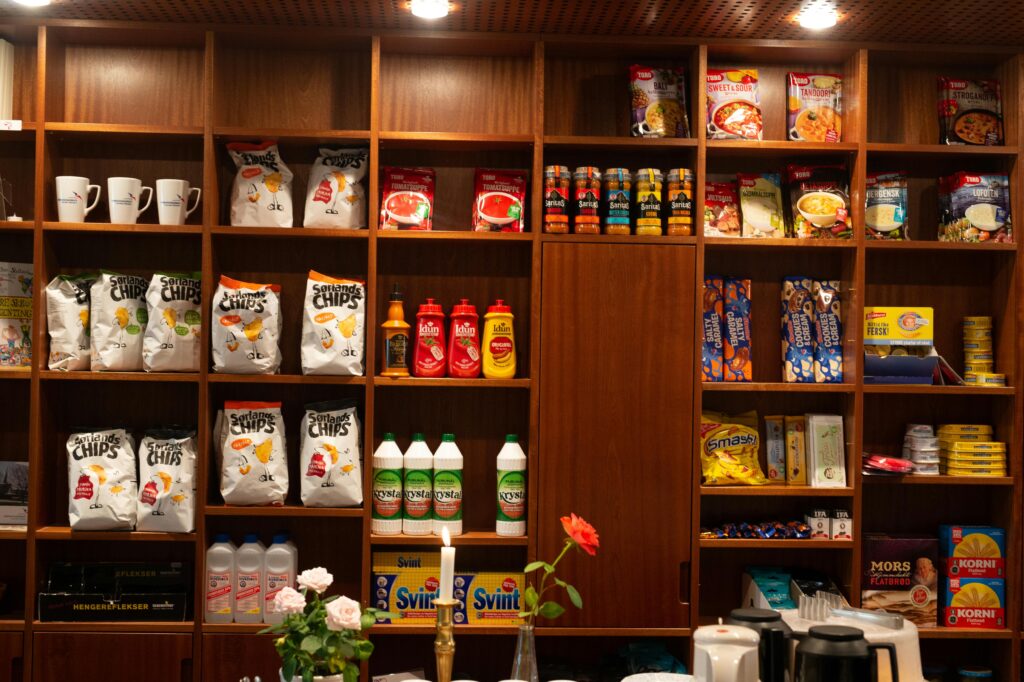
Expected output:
(444, 643)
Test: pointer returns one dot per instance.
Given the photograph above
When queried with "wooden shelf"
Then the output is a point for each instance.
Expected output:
(475, 538)
(391, 139)
(285, 379)
(939, 480)
(964, 633)
(15, 374)
(114, 130)
(107, 626)
(296, 232)
(919, 389)
(57, 375)
(285, 511)
(233, 134)
(13, 534)
(617, 239)
(65, 533)
(731, 543)
(601, 142)
(17, 225)
(773, 491)
(775, 147)
(775, 243)
(389, 382)
(456, 235)
(940, 149)
(774, 387)
(12, 624)
(882, 245)
(126, 229)
(612, 632)
(392, 629)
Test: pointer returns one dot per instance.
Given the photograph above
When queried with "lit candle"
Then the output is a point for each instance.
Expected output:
(447, 565)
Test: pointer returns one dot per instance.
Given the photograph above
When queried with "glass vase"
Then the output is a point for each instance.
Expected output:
(524, 665)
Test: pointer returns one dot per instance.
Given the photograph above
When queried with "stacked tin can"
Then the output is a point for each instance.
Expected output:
(979, 357)
(921, 446)
(971, 450)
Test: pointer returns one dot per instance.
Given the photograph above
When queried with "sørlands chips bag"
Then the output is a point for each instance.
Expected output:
(101, 480)
(171, 341)
(117, 320)
(254, 466)
(67, 321)
(329, 456)
(333, 321)
(246, 327)
(167, 466)
(335, 197)
(262, 193)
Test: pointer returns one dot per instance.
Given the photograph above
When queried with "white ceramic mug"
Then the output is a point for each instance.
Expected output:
(72, 194)
(123, 198)
(172, 201)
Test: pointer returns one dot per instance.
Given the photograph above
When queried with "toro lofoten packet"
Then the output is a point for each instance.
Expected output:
(330, 454)
(101, 480)
(333, 326)
(253, 458)
(117, 321)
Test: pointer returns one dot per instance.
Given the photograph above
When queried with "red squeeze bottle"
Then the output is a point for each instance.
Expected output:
(464, 342)
(428, 352)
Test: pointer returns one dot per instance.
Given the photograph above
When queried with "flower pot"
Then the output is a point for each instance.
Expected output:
(316, 678)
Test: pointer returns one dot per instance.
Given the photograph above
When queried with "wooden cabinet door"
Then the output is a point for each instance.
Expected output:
(111, 657)
(616, 418)
(227, 658)
(11, 656)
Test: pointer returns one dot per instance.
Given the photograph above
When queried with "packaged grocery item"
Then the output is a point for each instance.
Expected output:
(67, 321)
(970, 111)
(761, 205)
(796, 450)
(246, 327)
(117, 320)
(464, 359)
(973, 551)
(397, 344)
(499, 346)
(494, 598)
(500, 199)
(333, 326)
(765, 587)
(974, 603)
(901, 576)
(828, 332)
(729, 452)
(840, 525)
(977, 208)
(407, 201)
(888, 326)
(586, 186)
(978, 323)
(820, 201)
(658, 102)
(721, 210)
(798, 330)
(335, 197)
(885, 206)
(734, 106)
(815, 107)
(712, 351)
(329, 455)
(738, 362)
(15, 315)
(167, 480)
(775, 448)
(253, 466)
(262, 193)
(171, 341)
(428, 356)
(407, 583)
(557, 183)
(826, 451)
(818, 520)
(101, 480)
(617, 190)
(649, 184)
(680, 202)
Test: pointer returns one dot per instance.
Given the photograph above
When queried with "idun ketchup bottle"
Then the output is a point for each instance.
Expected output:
(428, 359)
(464, 342)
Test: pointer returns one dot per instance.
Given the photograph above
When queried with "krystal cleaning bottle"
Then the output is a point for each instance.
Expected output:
(419, 490)
(387, 488)
(220, 579)
(249, 581)
(448, 486)
(511, 520)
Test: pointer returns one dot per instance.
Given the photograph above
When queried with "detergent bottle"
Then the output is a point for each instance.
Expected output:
(249, 581)
(220, 579)
(280, 567)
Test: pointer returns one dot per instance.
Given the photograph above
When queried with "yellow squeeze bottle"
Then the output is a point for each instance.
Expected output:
(499, 344)
(396, 339)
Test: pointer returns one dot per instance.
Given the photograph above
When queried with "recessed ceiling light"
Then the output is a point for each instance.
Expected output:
(818, 15)
(429, 9)
(33, 3)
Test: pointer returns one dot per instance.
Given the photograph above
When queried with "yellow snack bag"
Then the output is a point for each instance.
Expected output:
(729, 451)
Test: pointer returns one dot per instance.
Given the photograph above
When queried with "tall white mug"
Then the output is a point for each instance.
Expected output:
(172, 201)
(72, 195)
(123, 196)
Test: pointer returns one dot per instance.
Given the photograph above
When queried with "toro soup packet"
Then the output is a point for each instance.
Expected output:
(101, 480)
(819, 196)
(500, 195)
(734, 106)
(117, 321)
(254, 466)
(970, 112)
(333, 322)
(721, 210)
(329, 456)
(885, 209)
(658, 102)
(167, 467)
(335, 197)
(977, 208)
(815, 107)
(761, 205)
(67, 321)
(408, 199)
(171, 341)
(246, 327)
(262, 193)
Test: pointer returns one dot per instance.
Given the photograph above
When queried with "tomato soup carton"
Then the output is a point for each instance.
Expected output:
(737, 358)
(407, 583)
(973, 551)
(900, 575)
(974, 603)
(500, 196)
(711, 348)
(493, 598)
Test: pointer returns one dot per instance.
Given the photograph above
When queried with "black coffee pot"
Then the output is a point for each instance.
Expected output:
(833, 653)
(773, 649)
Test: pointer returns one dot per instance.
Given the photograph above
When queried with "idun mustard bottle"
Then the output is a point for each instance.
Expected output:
(499, 344)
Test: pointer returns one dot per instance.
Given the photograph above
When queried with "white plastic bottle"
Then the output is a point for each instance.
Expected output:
(511, 519)
(280, 565)
(448, 486)
(249, 581)
(387, 488)
(220, 579)
(417, 483)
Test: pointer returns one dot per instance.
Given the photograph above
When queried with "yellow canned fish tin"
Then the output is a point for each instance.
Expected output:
(978, 322)
(977, 333)
(977, 367)
(975, 471)
(971, 377)
(979, 356)
(991, 379)
(956, 429)
(977, 446)
(978, 345)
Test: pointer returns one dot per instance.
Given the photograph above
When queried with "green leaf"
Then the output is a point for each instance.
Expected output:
(365, 647)
(524, 614)
(347, 650)
(307, 675)
(530, 598)
(311, 644)
(533, 566)
(351, 673)
(560, 582)
(551, 609)
(366, 621)
(574, 596)
(289, 668)
(330, 599)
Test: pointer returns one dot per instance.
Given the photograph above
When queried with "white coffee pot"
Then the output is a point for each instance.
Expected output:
(725, 653)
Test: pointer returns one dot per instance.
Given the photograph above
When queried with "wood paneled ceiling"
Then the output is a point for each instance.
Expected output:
(979, 22)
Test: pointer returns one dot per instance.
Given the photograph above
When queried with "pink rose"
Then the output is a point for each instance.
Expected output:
(344, 614)
(289, 601)
(316, 579)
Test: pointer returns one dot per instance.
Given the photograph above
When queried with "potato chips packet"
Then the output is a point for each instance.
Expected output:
(254, 466)
(246, 327)
(329, 455)
(333, 326)
(117, 320)
(171, 340)
(729, 451)
(101, 480)
(335, 197)
(167, 484)
(261, 195)
(67, 321)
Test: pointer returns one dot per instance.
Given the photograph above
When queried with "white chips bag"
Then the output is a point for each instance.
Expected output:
(67, 321)
(101, 480)
(329, 456)
(167, 484)
(262, 193)
(117, 320)
(171, 341)
(246, 327)
(335, 197)
(333, 326)
(254, 466)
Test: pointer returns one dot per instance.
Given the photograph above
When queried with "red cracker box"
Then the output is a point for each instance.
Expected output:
(737, 352)
(973, 551)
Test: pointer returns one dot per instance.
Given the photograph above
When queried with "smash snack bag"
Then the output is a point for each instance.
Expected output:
(171, 340)
(329, 455)
(729, 450)
(67, 321)
(117, 321)
(333, 321)
(335, 197)
(253, 458)
(101, 480)
(246, 327)
(261, 195)
(167, 483)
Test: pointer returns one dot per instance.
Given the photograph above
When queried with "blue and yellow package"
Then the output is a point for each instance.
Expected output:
(737, 354)
(973, 551)
(711, 348)
(407, 583)
(493, 598)
(973, 603)
(828, 332)
(797, 331)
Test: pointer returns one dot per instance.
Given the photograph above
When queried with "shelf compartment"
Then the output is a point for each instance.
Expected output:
(288, 232)
(479, 538)
(774, 491)
(618, 239)
(107, 626)
(737, 244)
(599, 142)
(968, 505)
(440, 141)
(925, 245)
(286, 511)
(416, 382)
(17, 164)
(112, 131)
(939, 480)
(731, 543)
(285, 379)
(65, 533)
(774, 387)
(330, 137)
(138, 228)
(163, 377)
(456, 235)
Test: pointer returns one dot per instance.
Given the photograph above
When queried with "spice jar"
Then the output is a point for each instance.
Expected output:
(587, 193)
(680, 202)
(648, 201)
(618, 183)
(556, 199)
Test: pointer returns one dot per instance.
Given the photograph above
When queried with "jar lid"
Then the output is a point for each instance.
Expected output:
(431, 308)
(588, 172)
(556, 171)
(464, 307)
(649, 174)
(676, 173)
(619, 173)
(975, 672)
(499, 307)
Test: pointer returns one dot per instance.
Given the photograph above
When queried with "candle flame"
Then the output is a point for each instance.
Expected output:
(446, 536)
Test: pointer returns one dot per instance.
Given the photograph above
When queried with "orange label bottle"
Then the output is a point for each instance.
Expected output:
(499, 345)
(396, 339)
